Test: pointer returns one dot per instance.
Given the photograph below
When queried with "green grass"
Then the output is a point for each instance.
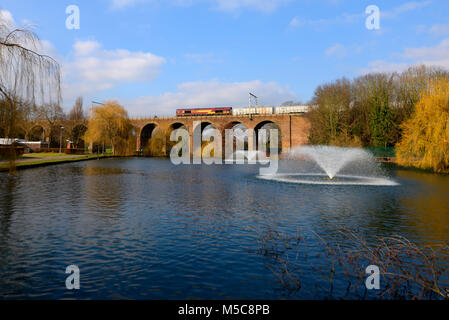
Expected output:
(43, 155)
(42, 162)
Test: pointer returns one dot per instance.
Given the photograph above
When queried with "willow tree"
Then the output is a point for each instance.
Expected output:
(27, 77)
(109, 125)
(425, 141)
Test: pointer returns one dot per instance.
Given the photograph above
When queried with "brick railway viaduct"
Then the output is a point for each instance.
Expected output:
(294, 129)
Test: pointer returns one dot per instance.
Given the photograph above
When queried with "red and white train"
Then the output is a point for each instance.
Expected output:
(203, 112)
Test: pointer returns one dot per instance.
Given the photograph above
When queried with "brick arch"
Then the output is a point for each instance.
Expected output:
(21, 132)
(232, 124)
(204, 123)
(146, 132)
(177, 124)
(170, 128)
(247, 143)
(34, 135)
(261, 124)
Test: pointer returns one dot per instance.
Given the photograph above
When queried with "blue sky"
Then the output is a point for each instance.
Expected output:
(158, 55)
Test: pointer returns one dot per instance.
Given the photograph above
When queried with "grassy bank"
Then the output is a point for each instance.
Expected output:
(43, 155)
(49, 160)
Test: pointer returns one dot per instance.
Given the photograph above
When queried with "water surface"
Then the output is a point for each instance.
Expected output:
(146, 229)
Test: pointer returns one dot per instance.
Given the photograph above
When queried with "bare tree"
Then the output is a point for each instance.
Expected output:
(77, 112)
(78, 123)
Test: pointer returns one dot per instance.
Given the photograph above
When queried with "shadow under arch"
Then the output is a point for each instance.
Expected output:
(199, 130)
(20, 133)
(36, 133)
(152, 140)
(172, 127)
(240, 132)
(267, 125)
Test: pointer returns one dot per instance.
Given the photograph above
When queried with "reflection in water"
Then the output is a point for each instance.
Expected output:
(104, 191)
(145, 229)
(8, 182)
(427, 204)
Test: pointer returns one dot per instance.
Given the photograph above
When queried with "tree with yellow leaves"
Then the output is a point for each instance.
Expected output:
(109, 125)
(425, 141)
(154, 146)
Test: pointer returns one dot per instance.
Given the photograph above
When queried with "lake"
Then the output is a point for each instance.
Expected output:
(143, 228)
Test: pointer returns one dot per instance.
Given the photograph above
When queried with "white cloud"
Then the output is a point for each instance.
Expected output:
(83, 48)
(222, 5)
(437, 56)
(341, 51)
(347, 18)
(438, 52)
(119, 4)
(260, 5)
(436, 29)
(338, 50)
(94, 69)
(439, 29)
(406, 7)
(7, 18)
(385, 66)
(206, 94)
(295, 22)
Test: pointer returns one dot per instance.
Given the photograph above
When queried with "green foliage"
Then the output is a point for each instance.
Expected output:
(381, 123)
(369, 110)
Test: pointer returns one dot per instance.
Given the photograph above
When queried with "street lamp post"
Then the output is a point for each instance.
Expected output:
(60, 141)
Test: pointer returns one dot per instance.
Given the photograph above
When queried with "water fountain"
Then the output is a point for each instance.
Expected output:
(359, 166)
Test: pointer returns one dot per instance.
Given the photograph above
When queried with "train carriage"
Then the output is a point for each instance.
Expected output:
(291, 109)
(253, 110)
